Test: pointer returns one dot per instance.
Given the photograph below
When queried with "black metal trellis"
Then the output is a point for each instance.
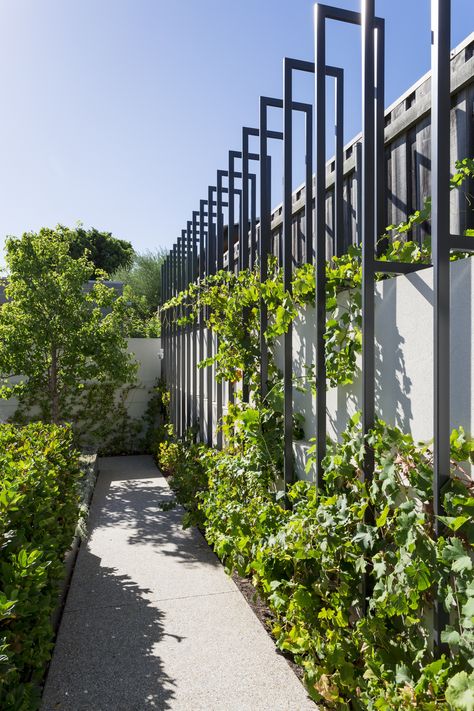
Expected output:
(201, 248)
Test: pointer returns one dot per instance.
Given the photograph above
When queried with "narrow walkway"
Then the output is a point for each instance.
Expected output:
(152, 621)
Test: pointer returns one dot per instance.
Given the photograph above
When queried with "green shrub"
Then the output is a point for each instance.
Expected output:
(308, 563)
(38, 514)
(185, 462)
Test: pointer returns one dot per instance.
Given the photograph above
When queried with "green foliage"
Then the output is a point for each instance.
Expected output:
(184, 461)
(233, 304)
(308, 562)
(38, 515)
(106, 253)
(156, 417)
(143, 276)
(69, 346)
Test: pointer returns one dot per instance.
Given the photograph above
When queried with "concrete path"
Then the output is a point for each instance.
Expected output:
(152, 621)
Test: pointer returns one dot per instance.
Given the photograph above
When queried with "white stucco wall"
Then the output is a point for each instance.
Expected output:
(404, 358)
(146, 351)
(404, 361)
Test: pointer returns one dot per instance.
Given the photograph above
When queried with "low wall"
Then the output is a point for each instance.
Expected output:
(146, 351)
(403, 361)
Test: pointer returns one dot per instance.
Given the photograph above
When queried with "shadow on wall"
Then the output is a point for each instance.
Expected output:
(110, 661)
(403, 357)
(393, 384)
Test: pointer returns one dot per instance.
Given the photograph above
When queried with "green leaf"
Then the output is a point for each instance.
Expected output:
(460, 692)
(462, 563)
(382, 519)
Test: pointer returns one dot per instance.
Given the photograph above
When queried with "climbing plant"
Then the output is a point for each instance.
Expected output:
(307, 560)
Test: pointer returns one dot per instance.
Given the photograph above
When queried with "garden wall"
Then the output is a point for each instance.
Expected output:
(404, 361)
(146, 351)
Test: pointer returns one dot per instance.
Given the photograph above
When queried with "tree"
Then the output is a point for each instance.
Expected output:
(144, 276)
(68, 346)
(106, 253)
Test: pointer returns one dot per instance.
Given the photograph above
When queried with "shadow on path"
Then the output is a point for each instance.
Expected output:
(108, 658)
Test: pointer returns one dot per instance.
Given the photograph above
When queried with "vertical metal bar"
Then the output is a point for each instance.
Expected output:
(309, 255)
(440, 232)
(171, 379)
(358, 173)
(287, 270)
(368, 229)
(220, 220)
(179, 383)
(165, 326)
(220, 265)
(194, 276)
(369, 239)
(380, 197)
(202, 273)
(189, 260)
(320, 145)
(231, 213)
(265, 236)
(253, 221)
(173, 342)
(162, 317)
(339, 167)
(182, 344)
(244, 234)
(244, 204)
(211, 270)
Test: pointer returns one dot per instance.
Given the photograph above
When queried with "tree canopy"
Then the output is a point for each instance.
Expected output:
(105, 252)
(144, 276)
(68, 345)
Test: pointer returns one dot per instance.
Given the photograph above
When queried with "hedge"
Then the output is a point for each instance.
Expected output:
(38, 515)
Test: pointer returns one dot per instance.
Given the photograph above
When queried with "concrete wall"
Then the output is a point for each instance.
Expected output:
(404, 359)
(146, 351)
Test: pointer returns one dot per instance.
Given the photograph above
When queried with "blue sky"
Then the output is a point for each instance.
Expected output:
(119, 112)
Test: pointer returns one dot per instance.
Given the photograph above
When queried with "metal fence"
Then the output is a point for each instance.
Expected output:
(379, 177)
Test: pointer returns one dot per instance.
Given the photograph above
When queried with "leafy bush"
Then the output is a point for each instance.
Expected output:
(38, 515)
(184, 461)
(308, 563)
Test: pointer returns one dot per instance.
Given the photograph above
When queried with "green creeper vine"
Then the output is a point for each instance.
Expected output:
(308, 562)
(234, 302)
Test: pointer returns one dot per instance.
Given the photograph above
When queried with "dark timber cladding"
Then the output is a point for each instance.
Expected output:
(380, 177)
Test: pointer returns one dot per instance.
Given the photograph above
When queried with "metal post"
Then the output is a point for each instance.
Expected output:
(220, 265)
(245, 252)
(265, 236)
(182, 344)
(194, 276)
(189, 262)
(320, 146)
(202, 273)
(211, 269)
(368, 229)
(339, 241)
(253, 220)
(287, 270)
(244, 204)
(179, 383)
(440, 229)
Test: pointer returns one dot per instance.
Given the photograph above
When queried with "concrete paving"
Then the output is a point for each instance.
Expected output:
(152, 621)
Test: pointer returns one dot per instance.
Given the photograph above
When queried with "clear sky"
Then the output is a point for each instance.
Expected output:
(118, 112)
